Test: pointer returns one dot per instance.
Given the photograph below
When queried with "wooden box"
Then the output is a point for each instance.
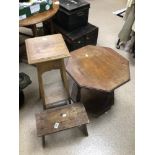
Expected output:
(72, 14)
(86, 35)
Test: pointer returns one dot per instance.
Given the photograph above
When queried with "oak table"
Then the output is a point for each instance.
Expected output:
(97, 68)
(41, 17)
(47, 53)
(62, 118)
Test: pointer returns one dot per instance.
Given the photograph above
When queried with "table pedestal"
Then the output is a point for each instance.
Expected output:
(96, 105)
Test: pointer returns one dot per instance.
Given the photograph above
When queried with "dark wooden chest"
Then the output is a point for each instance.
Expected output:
(72, 14)
(86, 35)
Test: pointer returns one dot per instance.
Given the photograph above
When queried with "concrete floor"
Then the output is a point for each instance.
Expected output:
(110, 134)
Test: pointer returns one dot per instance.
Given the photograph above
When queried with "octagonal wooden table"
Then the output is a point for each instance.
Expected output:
(97, 68)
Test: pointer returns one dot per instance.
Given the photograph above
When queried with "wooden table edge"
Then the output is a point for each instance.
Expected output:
(108, 91)
(40, 135)
(55, 8)
(41, 60)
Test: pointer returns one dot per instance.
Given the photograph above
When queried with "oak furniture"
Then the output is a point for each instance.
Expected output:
(47, 53)
(62, 118)
(97, 68)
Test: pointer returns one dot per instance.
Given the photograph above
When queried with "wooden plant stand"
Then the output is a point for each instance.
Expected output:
(47, 53)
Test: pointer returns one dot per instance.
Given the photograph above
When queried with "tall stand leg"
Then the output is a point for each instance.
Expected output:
(41, 88)
(64, 79)
(39, 82)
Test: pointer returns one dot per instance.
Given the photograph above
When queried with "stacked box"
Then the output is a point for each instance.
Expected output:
(31, 8)
(85, 35)
(72, 14)
(72, 22)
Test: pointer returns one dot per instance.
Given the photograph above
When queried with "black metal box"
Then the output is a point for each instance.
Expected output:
(86, 35)
(72, 14)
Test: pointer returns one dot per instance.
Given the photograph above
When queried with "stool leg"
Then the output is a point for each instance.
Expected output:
(84, 129)
(76, 93)
(43, 141)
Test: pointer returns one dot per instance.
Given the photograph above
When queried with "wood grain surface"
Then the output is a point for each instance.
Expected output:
(40, 17)
(46, 48)
(75, 115)
(99, 68)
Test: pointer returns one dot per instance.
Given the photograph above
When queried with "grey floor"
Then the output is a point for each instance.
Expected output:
(110, 134)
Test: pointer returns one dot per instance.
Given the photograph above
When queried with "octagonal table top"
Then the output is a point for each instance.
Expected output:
(99, 68)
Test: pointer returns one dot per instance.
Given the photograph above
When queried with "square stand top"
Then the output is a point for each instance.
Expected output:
(61, 118)
(46, 48)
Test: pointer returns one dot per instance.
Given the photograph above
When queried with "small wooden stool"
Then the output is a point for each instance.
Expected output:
(48, 52)
(61, 118)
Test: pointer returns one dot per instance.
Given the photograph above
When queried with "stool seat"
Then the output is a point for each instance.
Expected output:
(61, 118)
